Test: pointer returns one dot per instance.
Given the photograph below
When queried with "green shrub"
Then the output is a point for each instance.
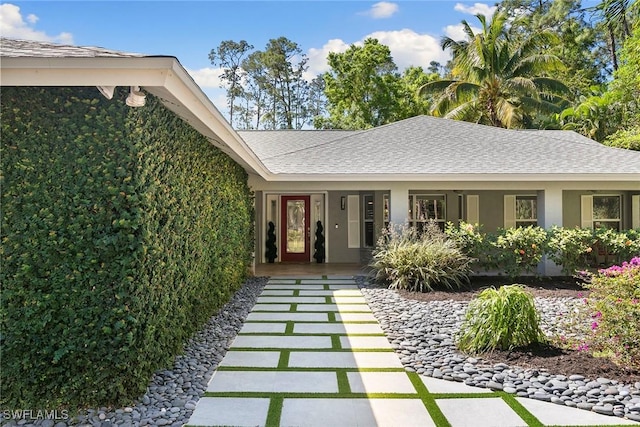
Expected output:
(406, 259)
(123, 230)
(571, 248)
(617, 246)
(615, 303)
(502, 319)
(473, 242)
(520, 250)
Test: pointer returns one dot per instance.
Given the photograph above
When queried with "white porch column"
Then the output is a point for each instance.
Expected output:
(399, 203)
(549, 214)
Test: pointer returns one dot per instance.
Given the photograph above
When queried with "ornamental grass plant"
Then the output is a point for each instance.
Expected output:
(419, 261)
(500, 319)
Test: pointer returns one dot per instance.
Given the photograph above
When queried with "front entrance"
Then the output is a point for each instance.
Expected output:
(295, 229)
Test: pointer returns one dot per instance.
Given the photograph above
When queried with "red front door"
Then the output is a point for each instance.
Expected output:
(294, 236)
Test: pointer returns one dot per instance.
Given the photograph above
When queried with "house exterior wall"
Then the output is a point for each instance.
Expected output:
(571, 204)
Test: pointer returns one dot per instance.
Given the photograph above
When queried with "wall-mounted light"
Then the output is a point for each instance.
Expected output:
(106, 91)
(343, 203)
(136, 97)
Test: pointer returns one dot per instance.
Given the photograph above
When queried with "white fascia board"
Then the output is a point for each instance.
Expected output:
(163, 77)
(633, 179)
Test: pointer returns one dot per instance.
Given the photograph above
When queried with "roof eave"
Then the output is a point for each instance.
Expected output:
(163, 77)
(486, 177)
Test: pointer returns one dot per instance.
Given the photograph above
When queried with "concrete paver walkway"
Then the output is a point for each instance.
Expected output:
(312, 354)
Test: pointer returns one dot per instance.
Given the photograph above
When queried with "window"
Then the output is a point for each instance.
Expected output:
(423, 208)
(385, 210)
(601, 211)
(368, 221)
(520, 211)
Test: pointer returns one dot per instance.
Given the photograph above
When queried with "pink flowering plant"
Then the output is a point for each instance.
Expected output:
(615, 304)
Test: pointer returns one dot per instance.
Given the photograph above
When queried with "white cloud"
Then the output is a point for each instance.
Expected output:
(318, 57)
(456, 32)
(476, 9)
(207, 77)
(14, 26)
(410, 48)
(382, 10)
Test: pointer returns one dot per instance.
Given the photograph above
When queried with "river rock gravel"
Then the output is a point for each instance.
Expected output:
(423, 335)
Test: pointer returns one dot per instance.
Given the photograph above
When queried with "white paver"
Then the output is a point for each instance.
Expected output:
(281, 341)
(280, 280)
(342, 286)
(349, 300)
(329, 282)
(479, 412)
(552, 414)
(292, 286)
(273, 382)
(283, 317)
(263, 328)
(362, 308)
(355, 412)
(223, 411)
(337, 328)
(364, 342)
(435, 385)
(290, 300)
(251, 359)
(356, 317)
(317, 359)
(277, 293)
(380, 382)
(271, 307)
(329, 293)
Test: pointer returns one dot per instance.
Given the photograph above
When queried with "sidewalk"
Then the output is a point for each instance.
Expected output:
(311, 353)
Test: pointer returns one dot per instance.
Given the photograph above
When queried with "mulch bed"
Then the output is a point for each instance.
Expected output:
(540, 357)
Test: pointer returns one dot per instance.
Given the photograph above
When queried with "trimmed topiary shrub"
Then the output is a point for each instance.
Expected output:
(502, 319)
(406, 259)
(123, 231)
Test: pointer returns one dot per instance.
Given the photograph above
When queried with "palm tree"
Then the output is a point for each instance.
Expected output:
(497, 79)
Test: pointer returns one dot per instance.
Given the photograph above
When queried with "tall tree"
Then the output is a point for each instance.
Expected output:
(362, 87)
(498, 79)
(229, 56)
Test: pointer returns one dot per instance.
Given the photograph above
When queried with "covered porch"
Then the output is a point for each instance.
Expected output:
(310, 269)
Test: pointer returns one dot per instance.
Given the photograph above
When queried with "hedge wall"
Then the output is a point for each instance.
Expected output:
(123, 230)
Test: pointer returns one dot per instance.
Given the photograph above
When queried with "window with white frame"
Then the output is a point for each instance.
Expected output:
(425, 207)
(520, 211)
(368, 220)
(601, 211)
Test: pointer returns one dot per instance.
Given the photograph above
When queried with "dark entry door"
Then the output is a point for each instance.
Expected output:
(295, 229)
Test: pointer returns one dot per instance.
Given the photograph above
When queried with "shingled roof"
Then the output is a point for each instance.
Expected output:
(13, 48)
(435, 146)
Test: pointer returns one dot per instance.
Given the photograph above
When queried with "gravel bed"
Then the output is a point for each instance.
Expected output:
(172, 394)
(423, 333)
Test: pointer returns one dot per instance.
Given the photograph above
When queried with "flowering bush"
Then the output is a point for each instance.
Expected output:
(618, 246)
(521, 249)
(615, 302)
(571, 248)
(471, 240)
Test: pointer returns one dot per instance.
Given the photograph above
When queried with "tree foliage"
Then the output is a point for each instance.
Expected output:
(497, 78)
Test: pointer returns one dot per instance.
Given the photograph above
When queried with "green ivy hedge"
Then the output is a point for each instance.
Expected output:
(123, 230)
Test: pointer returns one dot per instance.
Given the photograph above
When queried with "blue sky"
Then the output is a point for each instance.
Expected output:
(188, 30)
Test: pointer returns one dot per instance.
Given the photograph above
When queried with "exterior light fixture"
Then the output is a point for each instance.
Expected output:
(106, 91)
(136, 97)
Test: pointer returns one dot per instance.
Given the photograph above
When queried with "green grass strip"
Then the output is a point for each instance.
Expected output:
(335, 342)
(463, 395)
(343, 382)
(283, 362)
(327, 300)
(429, 402)
(288, 330)
(296, 292)
(522, 412)
(275, 411)
(294, 307)
(331, 316)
